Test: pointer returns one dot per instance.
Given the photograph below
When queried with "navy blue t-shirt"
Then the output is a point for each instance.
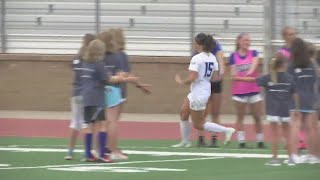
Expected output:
(116, 62)
(305, 79)
(93, 79)
(278, 95)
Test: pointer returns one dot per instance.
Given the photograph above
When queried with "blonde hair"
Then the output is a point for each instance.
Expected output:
(95, 51)
(120, 39)
(241, 35)
(86, 39)
(275, 64)
(108, 38)
(285, 30)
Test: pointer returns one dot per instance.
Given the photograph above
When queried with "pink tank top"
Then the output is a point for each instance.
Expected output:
(242, 66)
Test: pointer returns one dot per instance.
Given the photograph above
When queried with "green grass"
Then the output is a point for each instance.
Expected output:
(199, 169)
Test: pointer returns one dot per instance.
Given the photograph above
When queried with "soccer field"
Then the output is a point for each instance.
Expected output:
(42, 158)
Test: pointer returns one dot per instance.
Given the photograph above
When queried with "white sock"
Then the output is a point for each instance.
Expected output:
(213, 127)
(241, 136)
(185, 131)
(259, 137)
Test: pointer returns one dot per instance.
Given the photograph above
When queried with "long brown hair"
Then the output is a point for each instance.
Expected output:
(205, 40)
(108, 38)
(86, 39)
(120, 39)
(299, 53)
(275, 64)
(95, 51)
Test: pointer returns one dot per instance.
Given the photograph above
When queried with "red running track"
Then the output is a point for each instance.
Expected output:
(128, 130)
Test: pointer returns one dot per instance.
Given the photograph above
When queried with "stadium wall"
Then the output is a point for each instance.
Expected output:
(43, 82)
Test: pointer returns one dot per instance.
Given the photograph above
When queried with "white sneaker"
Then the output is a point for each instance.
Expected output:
(182, 144)
(118, 156)
(313, 159)
(228, 135)
(304, 159)
(68, 157)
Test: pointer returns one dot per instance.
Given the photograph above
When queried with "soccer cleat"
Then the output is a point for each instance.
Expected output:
(118, 156)
(182, 144)
(105, 159)
(68, 157)
(273, 162)
(214, 143)
(201, 142)
(228, 135)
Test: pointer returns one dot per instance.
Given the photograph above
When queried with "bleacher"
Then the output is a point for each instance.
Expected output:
(152, 27)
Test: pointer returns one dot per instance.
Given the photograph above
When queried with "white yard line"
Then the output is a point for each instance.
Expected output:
(110, 164)
(154, 153)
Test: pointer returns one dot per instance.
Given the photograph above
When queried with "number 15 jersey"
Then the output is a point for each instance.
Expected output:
(205, 64)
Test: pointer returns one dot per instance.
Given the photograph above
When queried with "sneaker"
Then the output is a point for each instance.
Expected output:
(261, 145)
(313, 159)
(118, 156)
(201, 142)
(90, 159)
(291, 162)
(273, 162)
(304, 159)
(228, 135)
(68, 157)
(182, 144)
(106, 159)
(94, 154)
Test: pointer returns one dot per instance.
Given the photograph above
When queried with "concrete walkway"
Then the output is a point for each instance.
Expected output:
(135, 117)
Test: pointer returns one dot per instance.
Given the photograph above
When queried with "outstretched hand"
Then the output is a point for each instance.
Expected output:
(178, 79)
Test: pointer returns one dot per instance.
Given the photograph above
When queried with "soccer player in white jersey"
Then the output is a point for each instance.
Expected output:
(201, 70)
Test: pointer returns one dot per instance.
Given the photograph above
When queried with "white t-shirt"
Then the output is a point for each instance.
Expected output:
(205, 64)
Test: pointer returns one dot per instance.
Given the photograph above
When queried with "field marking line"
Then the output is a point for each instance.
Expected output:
(110, 164)
(150, 147)
(154, 153)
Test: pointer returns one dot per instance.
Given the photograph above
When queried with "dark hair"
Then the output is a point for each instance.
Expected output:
(275, 64)
(206, 41)
(300, 54)
(238, 38)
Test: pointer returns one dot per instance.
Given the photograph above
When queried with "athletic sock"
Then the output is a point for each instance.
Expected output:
(259, 137)
(70, 152)
(185, 131)
(88, 144)
(213, 127)
(241, 137)
(102, 142)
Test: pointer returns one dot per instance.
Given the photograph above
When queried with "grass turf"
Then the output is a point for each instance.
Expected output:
(138, 166)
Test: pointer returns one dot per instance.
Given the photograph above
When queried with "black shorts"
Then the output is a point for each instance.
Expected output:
(216, 87)
(93, 114)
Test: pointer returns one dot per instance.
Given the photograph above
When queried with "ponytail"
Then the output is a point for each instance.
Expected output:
(206, 41)
(274, 75)
(275, 64)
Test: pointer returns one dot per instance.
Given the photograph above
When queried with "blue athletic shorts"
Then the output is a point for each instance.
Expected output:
(112, 96)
